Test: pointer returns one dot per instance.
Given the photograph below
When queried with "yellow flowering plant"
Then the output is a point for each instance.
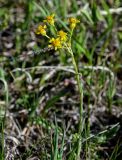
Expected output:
(62, 35)
(50, 19)
(62, 40)
(55, 43)
(73, 22)
(41, 29)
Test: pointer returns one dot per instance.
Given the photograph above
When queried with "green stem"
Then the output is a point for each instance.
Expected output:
(80, 88)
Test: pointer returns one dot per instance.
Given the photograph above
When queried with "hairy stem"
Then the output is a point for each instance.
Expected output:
(80, 88)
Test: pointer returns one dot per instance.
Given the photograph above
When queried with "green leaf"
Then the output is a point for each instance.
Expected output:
(88, 16)
(51, 102)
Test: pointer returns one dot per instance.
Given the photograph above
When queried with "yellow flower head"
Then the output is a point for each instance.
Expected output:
(41, 29)
(50, 19)
(62, 35)
(73, 21)
(56, 43)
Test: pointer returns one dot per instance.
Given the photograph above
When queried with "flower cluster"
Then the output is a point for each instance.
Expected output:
(41, 29)
(55, 42)
(50, 19)
(73, 21)
(61, 38)
(62, 35)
